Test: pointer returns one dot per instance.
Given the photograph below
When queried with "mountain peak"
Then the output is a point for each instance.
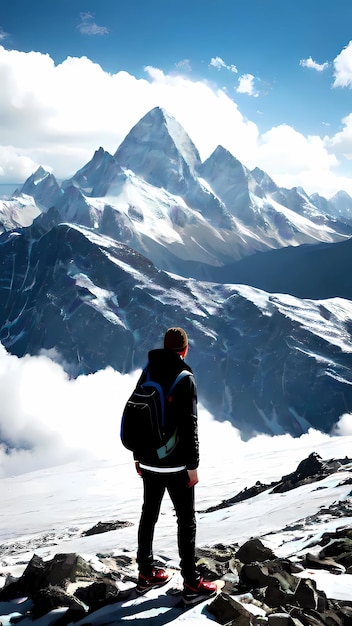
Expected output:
(98, 176)
(42, 187)
(36, 177)
(263, 179)
(159, 150)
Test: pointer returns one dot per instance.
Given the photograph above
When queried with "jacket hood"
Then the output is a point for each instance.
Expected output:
(166, 365)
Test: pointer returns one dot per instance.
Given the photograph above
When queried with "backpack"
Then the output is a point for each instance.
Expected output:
(143, 424)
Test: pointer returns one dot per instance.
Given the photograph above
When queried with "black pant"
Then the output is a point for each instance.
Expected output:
(183, 500)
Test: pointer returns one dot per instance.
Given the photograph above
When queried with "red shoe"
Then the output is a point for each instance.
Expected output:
(157, 578)
(203, 589)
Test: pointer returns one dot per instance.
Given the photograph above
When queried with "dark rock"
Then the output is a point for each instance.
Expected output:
(254, 550)
(340, 549)
(30, 581)
(306, 595)
(99, 594)
(245, 494)
(71, 615)
(274, 595)
(274, 577)
(65, 568)
(346, 612)
(227, 610)
(340, 533)
(105, 527)
(310, 617)
(53, 597)
(59, 571)
(309, 466)
(308, 470)
(311, 560)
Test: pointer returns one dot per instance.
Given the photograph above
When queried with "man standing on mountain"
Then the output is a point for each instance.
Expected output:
(176, 472)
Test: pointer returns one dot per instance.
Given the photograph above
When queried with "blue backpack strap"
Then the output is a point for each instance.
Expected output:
(179, 377)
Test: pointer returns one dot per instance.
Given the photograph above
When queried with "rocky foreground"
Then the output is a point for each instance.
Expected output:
(258, 586)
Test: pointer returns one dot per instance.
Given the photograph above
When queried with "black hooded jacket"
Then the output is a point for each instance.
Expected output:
(164, 366)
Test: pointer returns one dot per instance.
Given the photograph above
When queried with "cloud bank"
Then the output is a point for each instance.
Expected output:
(58, 115)
(46, 419)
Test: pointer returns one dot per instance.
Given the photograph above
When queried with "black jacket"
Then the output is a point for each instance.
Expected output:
(164, 366)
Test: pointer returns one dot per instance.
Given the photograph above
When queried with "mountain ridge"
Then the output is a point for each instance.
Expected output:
(156, 195)
(266, 363)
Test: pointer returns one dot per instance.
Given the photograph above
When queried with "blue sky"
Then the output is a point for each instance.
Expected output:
(268, 79)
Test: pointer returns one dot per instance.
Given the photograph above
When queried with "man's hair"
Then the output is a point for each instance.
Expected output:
(176, 339)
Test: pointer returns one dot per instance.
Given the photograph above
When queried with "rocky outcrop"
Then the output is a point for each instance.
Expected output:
(280, 590)
(309, 470)
(39, 574)
(275, 587)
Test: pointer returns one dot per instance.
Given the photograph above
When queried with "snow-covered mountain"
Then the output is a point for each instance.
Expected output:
(86, 281)
(267, 363)
(156, 195)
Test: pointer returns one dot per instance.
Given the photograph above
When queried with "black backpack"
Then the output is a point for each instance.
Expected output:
(143, 424)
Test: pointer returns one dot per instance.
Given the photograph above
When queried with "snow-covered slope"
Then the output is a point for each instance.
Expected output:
(49, 510)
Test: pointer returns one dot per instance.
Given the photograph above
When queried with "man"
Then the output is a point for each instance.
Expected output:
(176, 472)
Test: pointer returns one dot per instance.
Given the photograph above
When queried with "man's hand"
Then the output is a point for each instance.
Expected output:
(193, 477)
(138, 469)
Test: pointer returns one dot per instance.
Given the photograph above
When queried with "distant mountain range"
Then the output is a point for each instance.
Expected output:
(155, 195)
(86, 277)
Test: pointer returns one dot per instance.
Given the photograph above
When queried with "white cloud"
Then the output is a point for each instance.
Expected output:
(47, 419)
(87, 25)
(219, 64)
(15, 166)
(185, 64)
(313, 65)
(301, 161)
(58, 115)
(344, 426)
(246, 85)
(343, 67)
(341, 142)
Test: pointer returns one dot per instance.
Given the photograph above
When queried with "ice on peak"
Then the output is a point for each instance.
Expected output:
(158, 133)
